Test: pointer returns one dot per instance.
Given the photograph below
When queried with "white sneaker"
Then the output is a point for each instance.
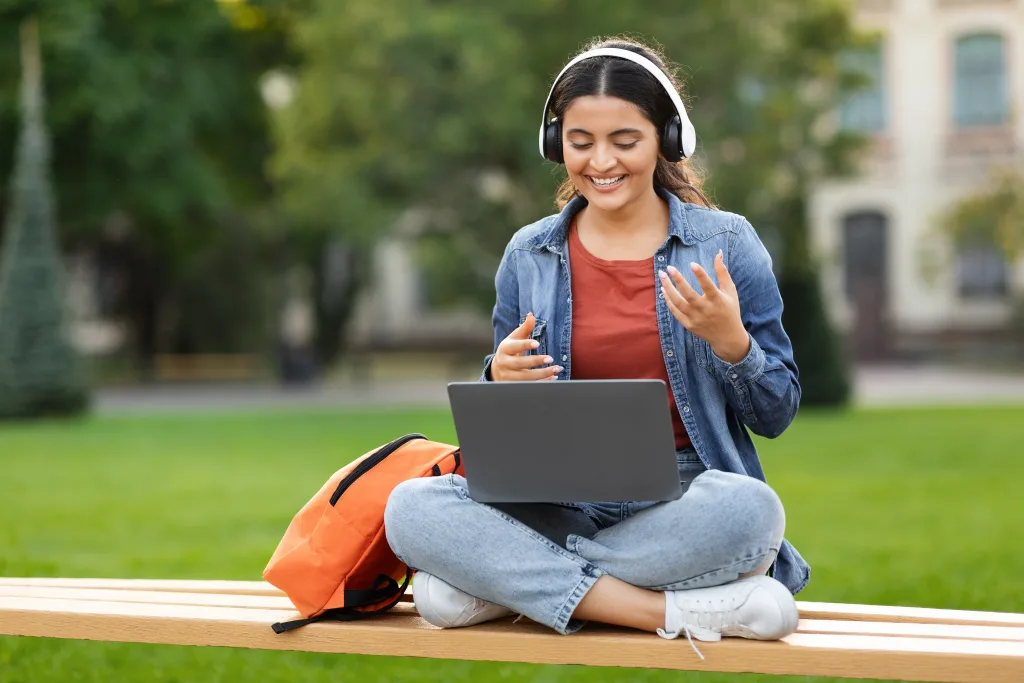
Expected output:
(446, 606)
(758, 607)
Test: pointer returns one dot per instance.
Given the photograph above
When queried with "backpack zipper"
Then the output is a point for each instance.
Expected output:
(367, 464)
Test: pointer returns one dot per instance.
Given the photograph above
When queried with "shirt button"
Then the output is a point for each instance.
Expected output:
(733, 375)
(661, 258)
(671, 352)
(686, 409)
(565, 358)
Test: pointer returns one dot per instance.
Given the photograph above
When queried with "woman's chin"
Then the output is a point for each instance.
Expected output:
(607, 202)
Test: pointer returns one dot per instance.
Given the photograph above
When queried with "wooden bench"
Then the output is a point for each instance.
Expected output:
(849, 641)
(208, 367)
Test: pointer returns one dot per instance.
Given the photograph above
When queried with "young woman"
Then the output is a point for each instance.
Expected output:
(621, 283)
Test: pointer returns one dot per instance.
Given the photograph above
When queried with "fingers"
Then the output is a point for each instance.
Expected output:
(541, 374)
(724, 278)
(525, 362)
(672, 296)
(513, 362)
(516, 347)
(525, 330)
(521, 369)
(706, 283)
(678, 313)
(685, 290)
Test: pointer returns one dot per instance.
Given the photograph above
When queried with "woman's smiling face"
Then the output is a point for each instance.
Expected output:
(610, 150)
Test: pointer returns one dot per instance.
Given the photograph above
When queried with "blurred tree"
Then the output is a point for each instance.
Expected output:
(424, 115)
(991, 216)
(160, 137)
(39, 370)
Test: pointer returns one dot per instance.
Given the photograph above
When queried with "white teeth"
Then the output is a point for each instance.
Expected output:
(606, 181)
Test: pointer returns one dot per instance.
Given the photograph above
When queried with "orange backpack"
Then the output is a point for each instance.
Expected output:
(334, 561)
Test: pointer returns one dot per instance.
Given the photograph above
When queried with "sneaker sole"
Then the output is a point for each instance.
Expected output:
(787, 605)
(431, 616)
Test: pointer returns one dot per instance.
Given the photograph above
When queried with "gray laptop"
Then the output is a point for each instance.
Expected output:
(566, 441)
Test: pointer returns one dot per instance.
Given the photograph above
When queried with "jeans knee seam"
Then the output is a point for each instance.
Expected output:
(449, 479)
(757, 558)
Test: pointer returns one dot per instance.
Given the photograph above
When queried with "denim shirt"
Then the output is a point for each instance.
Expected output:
(718, 401)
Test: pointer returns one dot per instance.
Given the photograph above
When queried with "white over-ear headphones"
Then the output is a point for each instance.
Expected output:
(679, 139)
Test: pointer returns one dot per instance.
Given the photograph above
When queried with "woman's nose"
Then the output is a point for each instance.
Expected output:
(603, 162)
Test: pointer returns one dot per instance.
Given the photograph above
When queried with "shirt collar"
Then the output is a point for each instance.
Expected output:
(678, 226)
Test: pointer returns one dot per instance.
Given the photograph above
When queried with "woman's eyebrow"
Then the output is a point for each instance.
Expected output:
(620, 131)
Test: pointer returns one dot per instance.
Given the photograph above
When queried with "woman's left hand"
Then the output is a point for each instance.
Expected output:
(713, 316)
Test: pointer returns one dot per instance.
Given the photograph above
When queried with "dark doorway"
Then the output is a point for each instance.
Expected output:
(865, 248)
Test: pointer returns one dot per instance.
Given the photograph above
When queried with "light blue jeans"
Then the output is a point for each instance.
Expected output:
(540, 559)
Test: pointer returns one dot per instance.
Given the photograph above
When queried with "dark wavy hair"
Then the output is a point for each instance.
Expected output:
(630, 82)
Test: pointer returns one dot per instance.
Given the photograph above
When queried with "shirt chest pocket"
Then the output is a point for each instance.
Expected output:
(539, 334)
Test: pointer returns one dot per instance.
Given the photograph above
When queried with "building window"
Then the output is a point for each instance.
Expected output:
(982, 272)
(864, 110)
(979, 90)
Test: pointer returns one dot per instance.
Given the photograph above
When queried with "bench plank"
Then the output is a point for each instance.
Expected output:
(281, 603)
(808, 610)
(916, 615)
(857, 627)
(173, 585)
(401, 633)
(152, 597)
(888, 628)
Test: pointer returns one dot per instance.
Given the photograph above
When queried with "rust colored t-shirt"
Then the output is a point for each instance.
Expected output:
(615, 323)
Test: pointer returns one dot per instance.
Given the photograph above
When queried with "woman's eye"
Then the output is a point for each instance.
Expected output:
(588, 145)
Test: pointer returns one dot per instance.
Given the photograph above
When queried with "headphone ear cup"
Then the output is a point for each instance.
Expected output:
(553, 141)
(671, 140)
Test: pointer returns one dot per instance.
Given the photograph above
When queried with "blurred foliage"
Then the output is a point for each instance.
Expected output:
(40, 373)
(159, 138)
(412, 104)
(992, 215)
(408, 115)
(819, 352)
(422, 117)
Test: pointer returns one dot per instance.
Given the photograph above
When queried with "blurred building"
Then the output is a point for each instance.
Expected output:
(944, 110)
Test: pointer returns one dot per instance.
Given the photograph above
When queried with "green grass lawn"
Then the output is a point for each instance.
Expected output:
(907, 507)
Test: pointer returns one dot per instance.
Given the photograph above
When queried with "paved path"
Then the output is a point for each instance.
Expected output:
(875, 386)
(210, 398)
(884, 386)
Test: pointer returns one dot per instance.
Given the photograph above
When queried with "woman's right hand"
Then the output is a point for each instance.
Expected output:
(510, 362)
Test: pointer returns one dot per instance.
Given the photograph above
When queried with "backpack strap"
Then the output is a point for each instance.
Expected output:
(383, 588)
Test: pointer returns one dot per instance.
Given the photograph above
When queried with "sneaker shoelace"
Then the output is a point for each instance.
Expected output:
(715, 622)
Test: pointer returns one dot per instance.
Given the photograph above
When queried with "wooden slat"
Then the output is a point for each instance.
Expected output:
(155, 597)
(966, 632)
(403, 634)
(910, 615)
(888, 628)
(808, 610)
(173, 585)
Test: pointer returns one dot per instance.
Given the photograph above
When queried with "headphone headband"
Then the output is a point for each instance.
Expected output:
(688, 139)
